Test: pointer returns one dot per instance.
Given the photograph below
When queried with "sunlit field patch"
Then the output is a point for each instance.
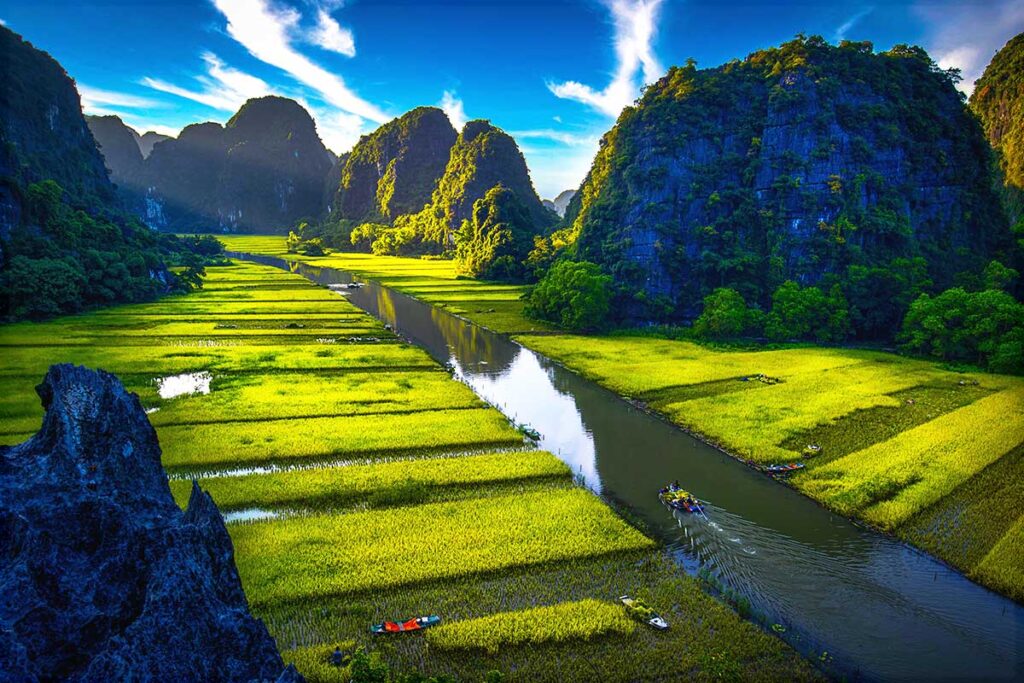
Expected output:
(235, 444)
(887, 483)
(1003, 567)
(581, 620)
(332, 554)
(400, 482)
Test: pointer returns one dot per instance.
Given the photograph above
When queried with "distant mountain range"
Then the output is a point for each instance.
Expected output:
(560, 203)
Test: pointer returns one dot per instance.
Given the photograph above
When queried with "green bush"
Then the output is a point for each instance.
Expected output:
(726, 315)
(574, 295)
(807, 313)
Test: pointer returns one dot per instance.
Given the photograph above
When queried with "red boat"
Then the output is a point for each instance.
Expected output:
(417, 624)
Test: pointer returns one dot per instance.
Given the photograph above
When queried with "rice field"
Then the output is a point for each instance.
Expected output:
(895, 436)
(907, 446)
(385, 489)
(581, 620)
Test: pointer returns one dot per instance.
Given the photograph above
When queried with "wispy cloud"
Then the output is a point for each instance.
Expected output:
(635, 24)
(269, 33)
(845, 27)
(563, 137)
(330, 35)
(94, 99)
(966, 36)
(223, 87)
(454, 108)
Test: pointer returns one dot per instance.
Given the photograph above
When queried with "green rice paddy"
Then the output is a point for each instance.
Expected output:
(399, 492)
(905, 445)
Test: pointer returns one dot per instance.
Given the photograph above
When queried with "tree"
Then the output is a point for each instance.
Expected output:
(986, 328)
(41, 288)
(998, 276)
(725, 315)
(497, 237)
(878, 297)
(574, 295)
(807, 313)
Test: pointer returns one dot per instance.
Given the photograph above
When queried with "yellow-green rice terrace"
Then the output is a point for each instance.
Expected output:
(932, 455)
(363, 483)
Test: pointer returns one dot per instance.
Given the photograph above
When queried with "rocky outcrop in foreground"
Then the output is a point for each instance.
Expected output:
(102, 576)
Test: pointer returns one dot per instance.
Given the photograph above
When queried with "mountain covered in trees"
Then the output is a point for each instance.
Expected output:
(808, 163)
(65, 242)
(262, 171)
(394, 170)
(414, 186)
(120, 148)
(998, 100)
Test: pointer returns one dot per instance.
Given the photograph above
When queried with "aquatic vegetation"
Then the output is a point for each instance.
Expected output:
(565, 621)
(398, 482)
(306, 557)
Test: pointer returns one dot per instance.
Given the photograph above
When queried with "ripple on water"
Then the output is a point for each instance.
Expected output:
(185, 384)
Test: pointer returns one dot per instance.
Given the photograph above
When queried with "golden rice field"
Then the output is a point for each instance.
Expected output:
(906, 445)
(385, 489)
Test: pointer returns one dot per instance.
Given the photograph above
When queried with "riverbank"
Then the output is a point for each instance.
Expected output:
(906, 446)
(367, 465)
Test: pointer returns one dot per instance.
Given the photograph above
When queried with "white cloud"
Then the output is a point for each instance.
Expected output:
(330, 35)
(94, 99)
(3, 23)
(268, 32)
(223, 88)
(339, 130)
(571, 139)
(845, 27)
(452, 106)
(966, 36)
(554, 169)
(635, 23)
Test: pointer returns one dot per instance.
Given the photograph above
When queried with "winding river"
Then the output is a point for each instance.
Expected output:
(881, 609)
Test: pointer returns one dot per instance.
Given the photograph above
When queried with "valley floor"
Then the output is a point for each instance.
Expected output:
(933, 456)
(363, 483)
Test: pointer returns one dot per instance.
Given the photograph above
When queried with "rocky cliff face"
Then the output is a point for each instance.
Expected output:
(792, 164)
(482, 158)
(42, 132)
(119, 146)
(560, 203)
(998, 100)
(148, 140)
(394, 170)
(103, 577)
(262, 171)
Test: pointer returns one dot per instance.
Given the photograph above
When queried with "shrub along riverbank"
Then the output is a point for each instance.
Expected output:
(400, 493)
(907, 445)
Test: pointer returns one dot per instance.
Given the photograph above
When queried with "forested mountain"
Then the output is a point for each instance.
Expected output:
(482, 158)
(65, 243)
(807, 162)
(262, 171)
(998, 100)
(394, 170)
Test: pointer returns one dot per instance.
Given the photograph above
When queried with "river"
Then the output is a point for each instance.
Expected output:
(880, 608)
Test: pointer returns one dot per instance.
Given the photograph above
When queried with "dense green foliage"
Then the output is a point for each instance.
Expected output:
(394, 170)
(725, 316)
(998, 100)
(494, 241)
(783, 166)
(575, 295)
(807, 313)
(985, 328)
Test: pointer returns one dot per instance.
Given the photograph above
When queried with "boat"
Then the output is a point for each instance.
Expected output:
(353, 285)
(641, 612)
(417, 624)
(529, 432)
(678, 499)
(783, 469)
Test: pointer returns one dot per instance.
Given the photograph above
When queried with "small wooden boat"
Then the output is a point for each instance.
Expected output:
(417, 624)
(530, 432)
(678, 499)
(641, 612)
(783, 469)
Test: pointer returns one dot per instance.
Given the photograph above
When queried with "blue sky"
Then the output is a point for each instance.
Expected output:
(554, 73)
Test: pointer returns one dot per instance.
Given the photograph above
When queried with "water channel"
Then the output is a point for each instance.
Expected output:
(881, 609)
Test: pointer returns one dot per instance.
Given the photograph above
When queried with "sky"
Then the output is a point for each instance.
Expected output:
(553, 73)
